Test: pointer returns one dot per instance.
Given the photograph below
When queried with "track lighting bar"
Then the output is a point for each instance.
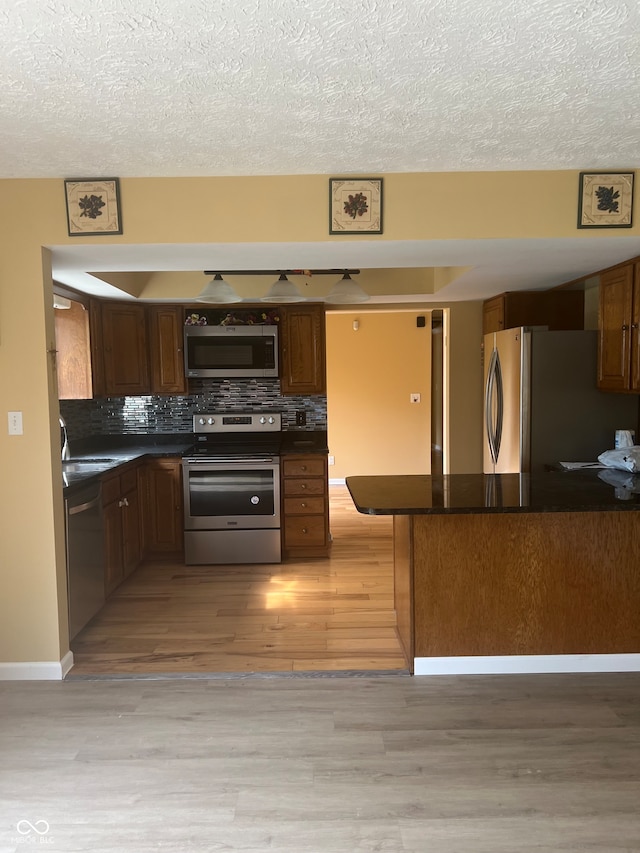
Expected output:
(282, 272)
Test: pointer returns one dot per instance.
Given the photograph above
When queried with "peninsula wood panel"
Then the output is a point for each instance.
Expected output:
(531, 583)
(403, 584)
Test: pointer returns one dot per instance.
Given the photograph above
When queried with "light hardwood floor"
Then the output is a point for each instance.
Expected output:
(324, 614)
(275, 764)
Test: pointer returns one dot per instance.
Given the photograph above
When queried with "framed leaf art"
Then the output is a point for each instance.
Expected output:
(93, 206)
(355, 206)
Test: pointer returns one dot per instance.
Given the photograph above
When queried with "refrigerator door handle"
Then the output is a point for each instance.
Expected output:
(499, 406)
(494, 418)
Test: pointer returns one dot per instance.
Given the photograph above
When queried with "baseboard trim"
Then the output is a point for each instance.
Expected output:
(337, 481)
(525, 664)
(37, 670)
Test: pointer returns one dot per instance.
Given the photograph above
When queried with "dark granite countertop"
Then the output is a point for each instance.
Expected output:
(93, 457)
(568, 491)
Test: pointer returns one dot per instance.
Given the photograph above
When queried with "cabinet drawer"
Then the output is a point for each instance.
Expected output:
(304, 530)
(304, 506)
(304, 467)
(299, 486)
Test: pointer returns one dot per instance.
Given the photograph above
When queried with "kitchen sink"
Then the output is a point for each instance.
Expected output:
(76, 466)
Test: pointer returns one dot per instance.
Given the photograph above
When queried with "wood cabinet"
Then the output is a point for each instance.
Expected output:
(618, 324)
(305, 506)
(124, 340)
(557, 309)
(162, 518)
(136, 349)
(121, 509)
(165, 328)
(73, 351)
(302, 349)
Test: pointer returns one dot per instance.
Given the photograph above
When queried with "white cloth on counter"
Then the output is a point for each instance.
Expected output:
(625, 458)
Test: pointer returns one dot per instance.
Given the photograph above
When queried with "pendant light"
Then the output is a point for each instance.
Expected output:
(346, 292)
(283, 290)
(218, 291)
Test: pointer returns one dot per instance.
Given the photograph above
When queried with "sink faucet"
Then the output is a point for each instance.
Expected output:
(64, 440)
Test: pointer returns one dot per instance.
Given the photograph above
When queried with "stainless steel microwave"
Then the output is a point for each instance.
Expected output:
(226, 352)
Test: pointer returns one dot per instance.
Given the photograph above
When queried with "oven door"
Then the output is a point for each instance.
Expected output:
(231, 494)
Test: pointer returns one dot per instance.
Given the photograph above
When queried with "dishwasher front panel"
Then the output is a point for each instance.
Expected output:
(85, 556)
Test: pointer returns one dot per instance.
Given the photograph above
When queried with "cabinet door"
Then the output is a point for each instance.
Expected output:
(635, 332)
(125, 349)
(73, 361)
(113, 568)
(166, 349)
(131, 545)
(162, 508)
(302, 330)
(493, 315)
(614, 340)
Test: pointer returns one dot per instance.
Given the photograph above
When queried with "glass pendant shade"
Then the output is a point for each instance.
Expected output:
(346, 292)
(218, 291)
(283, 290)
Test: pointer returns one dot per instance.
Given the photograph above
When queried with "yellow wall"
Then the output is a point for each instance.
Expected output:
(371, 372)
(198, 210)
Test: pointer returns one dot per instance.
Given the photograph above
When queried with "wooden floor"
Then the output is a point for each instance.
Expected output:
(315, 615)
(509, 764)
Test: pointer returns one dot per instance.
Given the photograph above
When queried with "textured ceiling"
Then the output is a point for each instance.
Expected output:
(249, 87)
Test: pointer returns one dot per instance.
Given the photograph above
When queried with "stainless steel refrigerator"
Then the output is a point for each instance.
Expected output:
(541, 404)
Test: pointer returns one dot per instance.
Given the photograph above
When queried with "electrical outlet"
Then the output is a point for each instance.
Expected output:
(301, 418)
(15, 423)
(332, 460)
(415, 398)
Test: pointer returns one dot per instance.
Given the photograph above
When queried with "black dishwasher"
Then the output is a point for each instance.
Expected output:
(85, 555)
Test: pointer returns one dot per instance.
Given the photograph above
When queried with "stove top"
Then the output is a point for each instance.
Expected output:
(247, 434)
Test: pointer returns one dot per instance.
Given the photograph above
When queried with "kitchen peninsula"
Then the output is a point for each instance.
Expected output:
(513, 573)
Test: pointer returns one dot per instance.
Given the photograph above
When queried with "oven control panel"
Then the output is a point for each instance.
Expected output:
(244, 422)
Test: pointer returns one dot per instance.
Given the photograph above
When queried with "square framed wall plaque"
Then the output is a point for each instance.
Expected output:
(355, 205)
(605, 200)
(93, 206)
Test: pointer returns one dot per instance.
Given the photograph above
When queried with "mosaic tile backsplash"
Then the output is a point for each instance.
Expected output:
(148, 415)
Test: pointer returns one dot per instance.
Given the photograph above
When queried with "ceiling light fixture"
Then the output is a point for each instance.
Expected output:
(283, 290)
(346, 292)
(218, 291)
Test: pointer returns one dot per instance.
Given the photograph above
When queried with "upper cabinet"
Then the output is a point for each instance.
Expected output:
(302, 349)
(124, 341)
(127, 349)
(165, 327)
(73, 362)
(557, 309)
(619, 318)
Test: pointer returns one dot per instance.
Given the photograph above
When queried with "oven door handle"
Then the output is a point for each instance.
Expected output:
(230, 460)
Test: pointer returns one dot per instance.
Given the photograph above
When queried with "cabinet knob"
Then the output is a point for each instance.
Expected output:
(634, 325)
(303, 467)
(304, 530)
(303, 504)
(625, 328)
(303, 485)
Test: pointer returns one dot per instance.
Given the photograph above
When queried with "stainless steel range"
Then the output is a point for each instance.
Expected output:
(231, 479)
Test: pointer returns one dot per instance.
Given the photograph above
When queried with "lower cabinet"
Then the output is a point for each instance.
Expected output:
(121, 509)
(162, 519)
(305, 506)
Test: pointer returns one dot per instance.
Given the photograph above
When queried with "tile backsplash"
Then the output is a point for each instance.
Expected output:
(173, 414)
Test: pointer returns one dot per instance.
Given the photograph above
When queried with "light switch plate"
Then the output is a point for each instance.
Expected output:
(15, 423)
